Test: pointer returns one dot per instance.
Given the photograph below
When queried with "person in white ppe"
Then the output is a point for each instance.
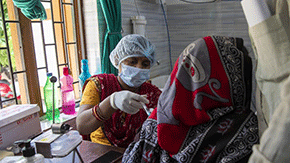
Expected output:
(111, 106)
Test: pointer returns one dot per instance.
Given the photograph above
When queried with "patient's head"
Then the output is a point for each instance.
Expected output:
(212, 72)
(211, 80)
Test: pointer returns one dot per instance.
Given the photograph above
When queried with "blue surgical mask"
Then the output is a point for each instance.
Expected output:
(134, 77)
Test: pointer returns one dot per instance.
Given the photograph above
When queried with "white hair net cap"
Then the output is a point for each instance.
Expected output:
(133, 45)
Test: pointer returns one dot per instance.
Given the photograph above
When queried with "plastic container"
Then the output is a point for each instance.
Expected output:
(29, 155)
(18, 122)
(67, 92)
(11, 159)
(48, 99)
(139, 24)
(63, 145)
(71, 158)
(85, 74)
(66, 143)
(61, 148)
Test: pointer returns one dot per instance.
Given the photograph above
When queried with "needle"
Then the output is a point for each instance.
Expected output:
(145, 108)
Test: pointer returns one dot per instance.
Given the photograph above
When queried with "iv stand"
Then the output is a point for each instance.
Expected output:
(53, 79)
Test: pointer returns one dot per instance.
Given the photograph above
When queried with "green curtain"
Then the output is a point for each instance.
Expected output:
(112, 13)
(32, 9)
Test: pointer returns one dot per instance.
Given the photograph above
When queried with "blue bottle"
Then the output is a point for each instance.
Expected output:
(85, 74)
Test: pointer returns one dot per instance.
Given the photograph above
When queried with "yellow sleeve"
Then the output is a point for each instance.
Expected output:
(90, 95)
(98, 136)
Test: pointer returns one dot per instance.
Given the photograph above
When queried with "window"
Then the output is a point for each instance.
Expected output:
(30, 49)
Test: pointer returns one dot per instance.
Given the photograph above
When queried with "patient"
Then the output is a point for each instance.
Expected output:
(203, 113)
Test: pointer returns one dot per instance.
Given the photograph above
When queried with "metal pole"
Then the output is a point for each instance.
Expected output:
(53, 79)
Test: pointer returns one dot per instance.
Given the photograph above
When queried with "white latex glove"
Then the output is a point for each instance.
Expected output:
(127, 101)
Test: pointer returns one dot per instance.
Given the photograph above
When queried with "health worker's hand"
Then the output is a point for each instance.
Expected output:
(127, 101)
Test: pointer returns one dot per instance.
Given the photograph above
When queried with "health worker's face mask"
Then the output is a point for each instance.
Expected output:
(134, 77)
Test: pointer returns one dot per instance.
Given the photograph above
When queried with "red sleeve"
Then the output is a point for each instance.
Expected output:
(153, 93)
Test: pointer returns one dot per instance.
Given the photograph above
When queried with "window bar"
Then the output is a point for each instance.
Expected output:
(36, 21)
(53, 30)
(3, 48)
(0, 101)
(64, 64)
(64, 33)
(49, 44)
(44, 49)
(69, 43)
(39, 68)
(65, 3)
(10, 99)
(8, 53)
(66, 43)
(60, 22)
(18, 72)
(12, 21)
(45, 1)
(75, 82)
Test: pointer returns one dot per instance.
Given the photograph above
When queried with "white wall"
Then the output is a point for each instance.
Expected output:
(155, 30)
(188, 22)
(92, 36)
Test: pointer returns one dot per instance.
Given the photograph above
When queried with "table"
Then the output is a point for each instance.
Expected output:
(90, 151)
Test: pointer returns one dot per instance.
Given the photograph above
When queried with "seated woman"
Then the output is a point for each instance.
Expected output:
(110, 109)
(203, 113)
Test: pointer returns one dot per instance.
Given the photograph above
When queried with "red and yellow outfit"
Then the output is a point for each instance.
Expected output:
(121, 128)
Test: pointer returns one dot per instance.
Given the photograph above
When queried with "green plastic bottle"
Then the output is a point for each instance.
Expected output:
(48, 99)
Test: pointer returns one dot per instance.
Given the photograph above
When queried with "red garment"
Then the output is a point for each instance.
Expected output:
(203, 114)
(122, 134)
(199, 82)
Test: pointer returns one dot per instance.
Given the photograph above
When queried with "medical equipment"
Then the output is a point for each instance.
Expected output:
(51, 98)
(127, 101)
(52, 145)
(146, 109)
(18, 122)
(56, 148)
(139, 24)
(29, 155)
